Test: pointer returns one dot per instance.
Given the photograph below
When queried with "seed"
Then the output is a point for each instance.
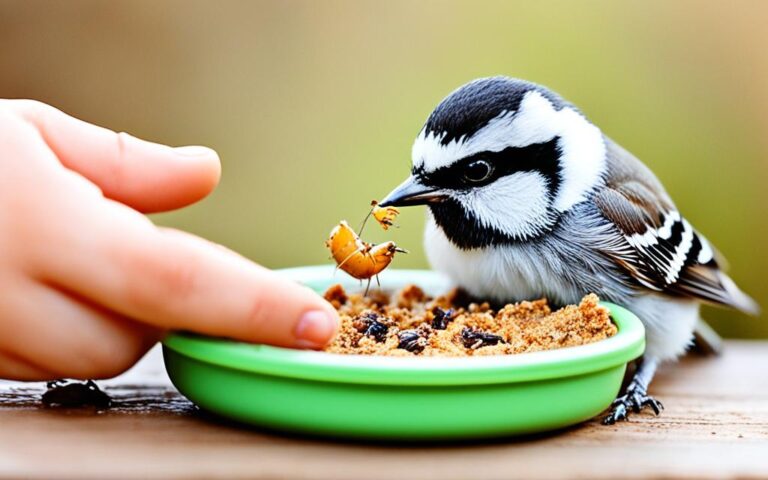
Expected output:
(475, 339)
(368, 324)
(442, 317)
(411, 340)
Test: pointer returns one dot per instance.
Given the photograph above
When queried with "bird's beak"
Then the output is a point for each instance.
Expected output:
(412, 192)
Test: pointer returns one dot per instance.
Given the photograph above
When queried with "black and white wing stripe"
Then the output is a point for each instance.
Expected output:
(668, 249)
(666, 253)
(671, 257)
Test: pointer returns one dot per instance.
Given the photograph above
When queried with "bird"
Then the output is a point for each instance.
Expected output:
(527, 198)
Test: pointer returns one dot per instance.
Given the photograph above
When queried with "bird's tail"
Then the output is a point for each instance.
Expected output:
(739, 299)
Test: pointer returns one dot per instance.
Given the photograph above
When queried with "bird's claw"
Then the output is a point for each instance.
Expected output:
(618, 413)
(632, 401)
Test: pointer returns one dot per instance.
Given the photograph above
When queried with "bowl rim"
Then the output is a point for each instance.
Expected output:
(626, 345)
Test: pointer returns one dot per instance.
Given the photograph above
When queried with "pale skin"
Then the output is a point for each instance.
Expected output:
(89, 283)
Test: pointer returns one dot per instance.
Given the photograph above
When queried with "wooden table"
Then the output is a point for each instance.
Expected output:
(715, 426)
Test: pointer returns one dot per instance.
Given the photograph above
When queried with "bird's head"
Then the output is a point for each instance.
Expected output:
(500, 160)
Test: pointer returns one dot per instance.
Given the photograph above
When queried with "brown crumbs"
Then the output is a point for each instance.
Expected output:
(409, 323)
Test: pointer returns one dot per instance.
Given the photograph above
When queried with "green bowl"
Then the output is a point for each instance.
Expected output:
(401, 398)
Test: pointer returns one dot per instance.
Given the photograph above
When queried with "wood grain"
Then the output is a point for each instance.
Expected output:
(715, 426)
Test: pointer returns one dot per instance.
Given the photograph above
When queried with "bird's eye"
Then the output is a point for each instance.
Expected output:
(478, 171)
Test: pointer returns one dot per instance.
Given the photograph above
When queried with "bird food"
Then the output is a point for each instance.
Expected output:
(409, 322)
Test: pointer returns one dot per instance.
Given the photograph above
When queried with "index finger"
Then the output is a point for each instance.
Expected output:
(176, 281)
(147, 176)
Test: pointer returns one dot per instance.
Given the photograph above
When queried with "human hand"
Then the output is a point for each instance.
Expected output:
(89, 284)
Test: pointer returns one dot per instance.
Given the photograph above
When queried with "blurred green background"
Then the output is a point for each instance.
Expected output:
(313, 106)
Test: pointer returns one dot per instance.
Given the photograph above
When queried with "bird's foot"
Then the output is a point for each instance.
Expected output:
(635, 400)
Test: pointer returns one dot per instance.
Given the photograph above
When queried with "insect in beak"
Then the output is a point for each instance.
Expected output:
(412, 192)
(384, 215)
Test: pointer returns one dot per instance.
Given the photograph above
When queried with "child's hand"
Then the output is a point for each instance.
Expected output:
(88, 284)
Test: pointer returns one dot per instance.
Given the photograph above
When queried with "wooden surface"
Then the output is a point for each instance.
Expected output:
(715, 426)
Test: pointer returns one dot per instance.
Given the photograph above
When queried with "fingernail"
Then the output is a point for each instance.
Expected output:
(194, 151)
(315, 329)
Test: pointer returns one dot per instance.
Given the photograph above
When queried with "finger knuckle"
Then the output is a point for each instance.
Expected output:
(32, 110)
(257, 315)
(30, 106)
(18, 128)
(120, 165)
(169, 277)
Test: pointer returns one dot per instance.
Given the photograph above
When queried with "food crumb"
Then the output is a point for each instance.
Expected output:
(411, 323)
(336, 296)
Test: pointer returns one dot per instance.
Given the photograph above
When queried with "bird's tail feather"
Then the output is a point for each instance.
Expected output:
(739, 299)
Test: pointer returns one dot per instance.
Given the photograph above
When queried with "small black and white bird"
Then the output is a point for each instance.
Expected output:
(527, 198)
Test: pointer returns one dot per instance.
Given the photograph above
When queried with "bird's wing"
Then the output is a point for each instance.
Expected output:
(668, 255)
